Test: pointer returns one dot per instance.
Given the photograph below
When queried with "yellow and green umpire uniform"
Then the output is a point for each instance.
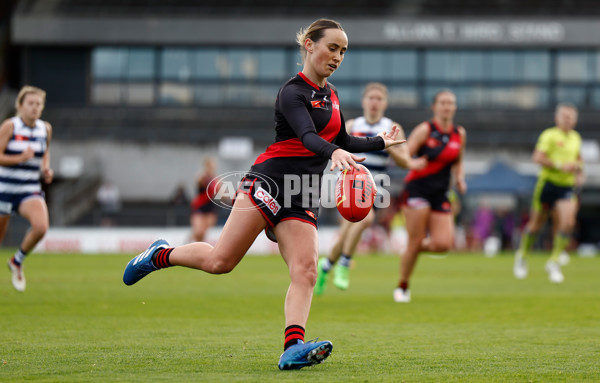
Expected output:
(553, 184)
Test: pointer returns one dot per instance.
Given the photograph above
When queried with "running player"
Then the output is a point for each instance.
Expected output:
(558, 152)
(425, 202)
(204, 215)
(373, 122)
(24, 162)
(310, 130)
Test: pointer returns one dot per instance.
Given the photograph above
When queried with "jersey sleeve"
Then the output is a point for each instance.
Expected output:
(355, 144)
(544, 143)
(293, 108)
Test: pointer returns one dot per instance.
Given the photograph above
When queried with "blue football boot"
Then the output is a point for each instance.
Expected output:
(141, 265)
(305, 354)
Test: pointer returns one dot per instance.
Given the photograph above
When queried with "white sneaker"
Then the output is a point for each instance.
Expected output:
(401, 295)
(564, 259)
(520, 267)
(554, 273)
(18, 278)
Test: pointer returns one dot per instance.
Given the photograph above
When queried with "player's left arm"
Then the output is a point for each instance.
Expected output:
(47, 172)
(458, 169)
(401, 155)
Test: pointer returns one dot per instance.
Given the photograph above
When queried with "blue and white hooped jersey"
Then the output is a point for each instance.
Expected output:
(377, 161)
(24, 177)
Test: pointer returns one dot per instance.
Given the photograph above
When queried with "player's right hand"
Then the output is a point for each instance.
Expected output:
(342, 159)
(27, 154)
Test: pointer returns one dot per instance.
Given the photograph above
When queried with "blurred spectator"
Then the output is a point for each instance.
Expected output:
(483, 222)
(180, 197)
(109, 198)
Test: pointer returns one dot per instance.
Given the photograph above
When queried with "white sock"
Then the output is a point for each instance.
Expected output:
(19, 257)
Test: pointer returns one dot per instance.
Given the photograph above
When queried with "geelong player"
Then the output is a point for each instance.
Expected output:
(373, 122)
(558, 152)
(310, 130)
(425, 202)
(24, 162)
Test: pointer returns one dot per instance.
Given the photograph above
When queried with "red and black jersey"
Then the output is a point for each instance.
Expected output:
(207, 189)
(309, 127)
(442, 150)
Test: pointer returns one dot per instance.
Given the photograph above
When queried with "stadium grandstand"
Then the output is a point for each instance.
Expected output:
(140, 91)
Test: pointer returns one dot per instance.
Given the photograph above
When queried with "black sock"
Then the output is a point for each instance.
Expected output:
(160, 258)
(293, 335)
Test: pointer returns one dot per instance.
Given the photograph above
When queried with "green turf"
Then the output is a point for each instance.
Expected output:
(469, 321)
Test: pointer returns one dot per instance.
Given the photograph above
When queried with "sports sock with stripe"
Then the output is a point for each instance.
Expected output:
(160, 258)
(345, 260)
(19, 257)
(327, 265)
(294, 334)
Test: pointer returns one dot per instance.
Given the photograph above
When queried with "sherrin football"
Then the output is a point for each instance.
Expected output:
(355, 193)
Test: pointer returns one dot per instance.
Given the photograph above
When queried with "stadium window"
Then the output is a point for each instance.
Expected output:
(139, 94)
(535, 65)
(141, 64)
(239, 64)
(370, 65)
(176, 64)
(573, 94)
(404, 65)
(503, 66)
(208, 95)
(205, 64)
(108, 63)
(350, 96)
(572, 66)
(271, 64)
(106, 94)
(597, 66)
(595, 97)
(521, 97)
(403, 96)
(172, 93)
(453, 65)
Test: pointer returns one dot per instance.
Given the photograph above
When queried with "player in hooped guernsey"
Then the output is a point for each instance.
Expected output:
(370, 124)
(558, 152)
(310, 131)
(24, 161)
(426, 207)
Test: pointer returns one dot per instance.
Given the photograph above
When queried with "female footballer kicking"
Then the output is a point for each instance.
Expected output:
(310, 130)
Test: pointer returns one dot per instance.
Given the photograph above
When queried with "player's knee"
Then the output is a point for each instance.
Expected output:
(368, 221)
(441, 245)
(221, 266)
(304, 273)
(39, 228)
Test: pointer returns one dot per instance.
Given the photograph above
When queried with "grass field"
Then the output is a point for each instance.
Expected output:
(469, 321)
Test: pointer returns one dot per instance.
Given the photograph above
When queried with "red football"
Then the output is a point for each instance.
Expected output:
(355, 193)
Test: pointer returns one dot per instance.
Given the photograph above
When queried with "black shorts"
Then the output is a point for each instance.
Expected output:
(267, 195)
(546, 194)
(418, 197)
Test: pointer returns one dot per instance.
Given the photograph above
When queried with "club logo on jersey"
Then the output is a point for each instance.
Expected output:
(432, 142)
(266, 198)
(320, 104)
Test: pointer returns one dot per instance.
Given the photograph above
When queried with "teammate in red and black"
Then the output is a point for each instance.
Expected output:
(425, 202)
(204, 212)
(309, 132)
